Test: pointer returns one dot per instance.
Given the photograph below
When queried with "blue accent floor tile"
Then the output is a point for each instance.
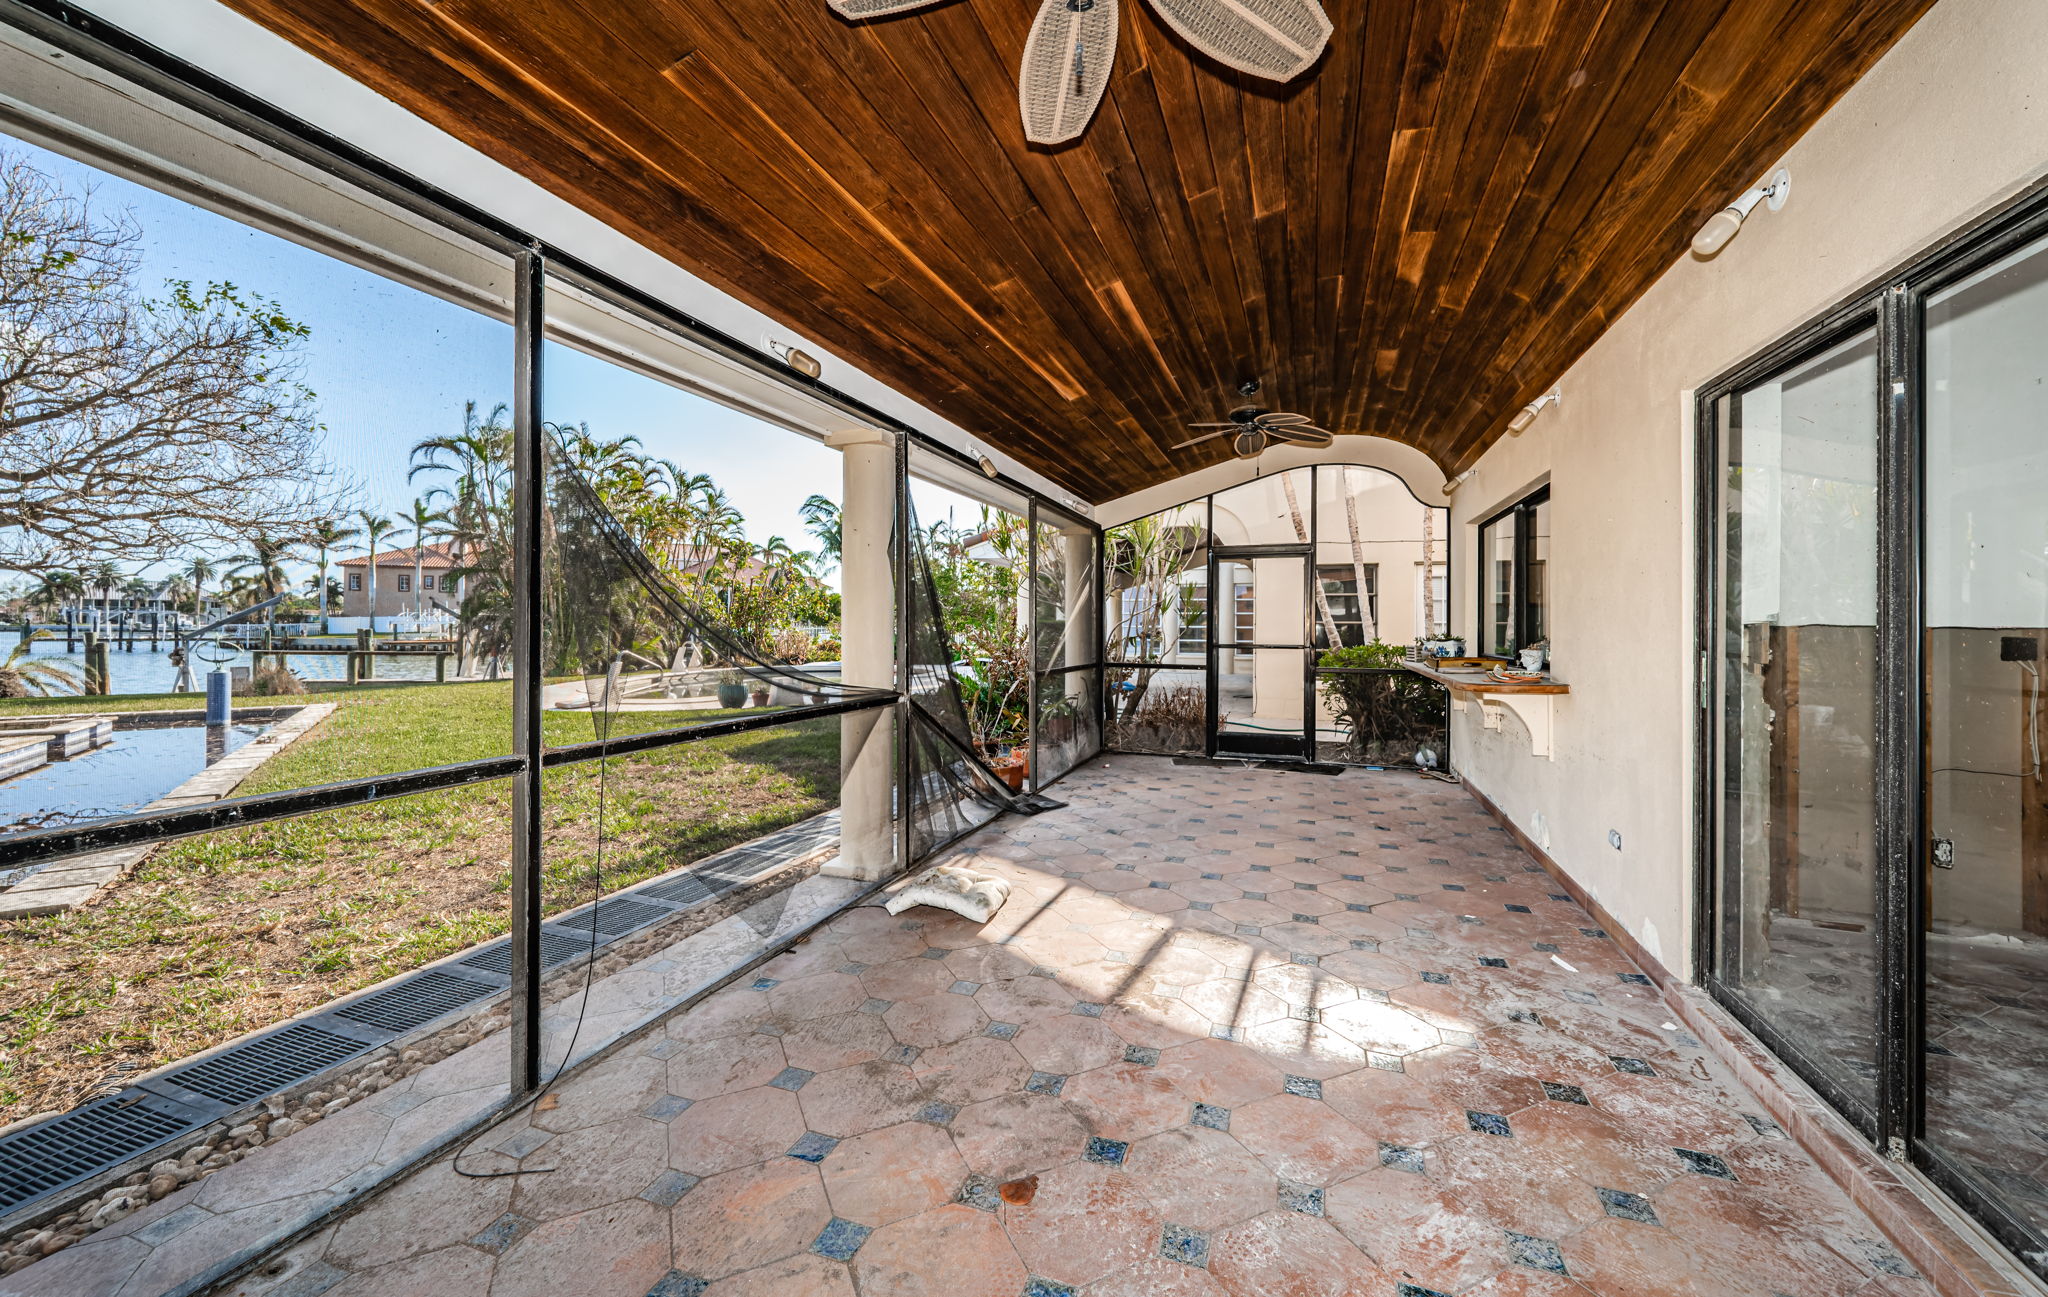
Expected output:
(1306, 1087)
(677, 1284)
(1633, 1065)
(1037, 1287)
(1704, 1164)
(1535, 1253)
(667, 1108)
(1304, 1198)
(1401, 1158)
(840, 1239)
(813, 1147)
(1558, 1092)
(1628, 1206)
(1488, 1123)
(1142, 1055)
(1210, 1115)
(669, 1187)
(938, 1114)
(1108, 1152)
(1045, 1083)
(501, 1234)
(1187, 1246)
(791, 1079)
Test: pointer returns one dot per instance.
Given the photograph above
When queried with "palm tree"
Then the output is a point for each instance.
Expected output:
(375, 529)
(103, 578)
(327, 535)
(54, 588)
(199, 570)
(425, 524)
(262, 569)
(23, 677)
(821, 519)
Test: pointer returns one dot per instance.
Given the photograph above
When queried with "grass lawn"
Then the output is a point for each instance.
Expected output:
(215, 936)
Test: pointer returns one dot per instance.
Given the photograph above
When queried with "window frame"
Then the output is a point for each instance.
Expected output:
(1523, 608)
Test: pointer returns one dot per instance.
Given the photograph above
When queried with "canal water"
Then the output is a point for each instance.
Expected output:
(138, 767)
(146, 671)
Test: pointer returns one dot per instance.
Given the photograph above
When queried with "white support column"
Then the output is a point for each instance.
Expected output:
(867, 634)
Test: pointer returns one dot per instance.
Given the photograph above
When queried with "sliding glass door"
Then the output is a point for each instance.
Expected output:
(1796, 631)
(1873, 743)
(1985, 868)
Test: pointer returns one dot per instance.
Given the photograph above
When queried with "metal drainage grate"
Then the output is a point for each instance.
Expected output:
(79, 1144)
(414, 1002)
(685, 889)
(555, 948)
(616, 917)
(266, 1065)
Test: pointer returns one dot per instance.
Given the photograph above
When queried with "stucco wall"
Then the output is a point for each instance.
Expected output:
(1952, 122)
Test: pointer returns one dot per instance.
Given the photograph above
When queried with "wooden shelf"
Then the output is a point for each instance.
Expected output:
(1532, 702)
(1473, 680)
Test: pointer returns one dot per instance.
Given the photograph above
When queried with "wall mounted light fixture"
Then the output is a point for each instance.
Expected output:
(1527, 414)
(1723, 225)
(803, 362)
(988, 466)
(1452, 484)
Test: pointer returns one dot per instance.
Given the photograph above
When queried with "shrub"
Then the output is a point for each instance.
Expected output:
(1387, 714)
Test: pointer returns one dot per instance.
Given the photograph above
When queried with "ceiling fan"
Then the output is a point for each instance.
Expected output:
(1072, 43)
(1251, 430)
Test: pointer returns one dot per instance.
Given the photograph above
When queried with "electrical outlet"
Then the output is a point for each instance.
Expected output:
(2019, 648)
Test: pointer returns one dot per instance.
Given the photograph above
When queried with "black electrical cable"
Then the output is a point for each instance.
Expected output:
(601, 724)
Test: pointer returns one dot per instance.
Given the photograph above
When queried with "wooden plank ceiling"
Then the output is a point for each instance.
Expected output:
(1410, 241)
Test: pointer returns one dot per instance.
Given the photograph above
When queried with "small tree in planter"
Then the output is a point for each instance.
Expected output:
(1388, 713)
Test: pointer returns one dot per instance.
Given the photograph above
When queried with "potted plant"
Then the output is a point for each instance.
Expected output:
(760, 694)
(732, 690)
(1014, 768)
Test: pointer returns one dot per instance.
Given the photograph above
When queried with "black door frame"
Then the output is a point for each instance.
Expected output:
(1895, 303)
(1219, 555)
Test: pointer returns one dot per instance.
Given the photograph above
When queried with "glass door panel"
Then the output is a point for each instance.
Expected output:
(1986, 871)
(1258, 612)
(1796, 630)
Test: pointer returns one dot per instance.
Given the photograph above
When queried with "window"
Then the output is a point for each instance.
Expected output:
(1514, 589)
(404, 582)
(1194, 618)
(1245, 622)
(1356, 623)
(426, 583)
(355, 580)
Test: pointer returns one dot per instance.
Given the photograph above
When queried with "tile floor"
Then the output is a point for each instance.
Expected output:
(1236, 1032)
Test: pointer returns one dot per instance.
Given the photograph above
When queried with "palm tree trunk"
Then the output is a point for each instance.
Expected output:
(1315, 583)
(1366, 619)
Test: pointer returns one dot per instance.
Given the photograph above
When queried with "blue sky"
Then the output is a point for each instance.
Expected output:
(391, 365)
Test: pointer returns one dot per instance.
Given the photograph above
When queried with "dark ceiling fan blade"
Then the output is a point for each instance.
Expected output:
(1303, 435)
(1277, 39)
(1198, 440)
(1066, 66)
(1283, 418)
(876, 8)
(1215, 425)
(1249, 443)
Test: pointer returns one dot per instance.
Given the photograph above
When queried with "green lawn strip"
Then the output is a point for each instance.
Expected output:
(214, 936)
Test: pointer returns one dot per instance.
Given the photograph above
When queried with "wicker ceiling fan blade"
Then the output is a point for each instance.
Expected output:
(1276, 39)
(876, 8)
(1066, 67)
(1213, 425)
(1302, 434)
(1250, 443)
(1282, 419)
(1198, 440)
